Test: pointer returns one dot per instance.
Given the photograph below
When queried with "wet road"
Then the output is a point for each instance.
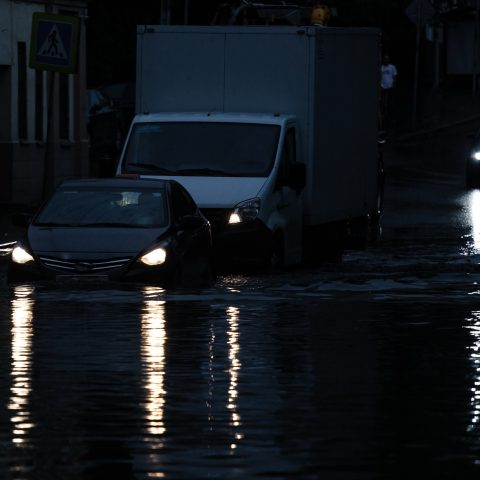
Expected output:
(369, 369)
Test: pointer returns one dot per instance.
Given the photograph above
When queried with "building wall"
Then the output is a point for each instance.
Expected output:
(33, 164)
(5, 43)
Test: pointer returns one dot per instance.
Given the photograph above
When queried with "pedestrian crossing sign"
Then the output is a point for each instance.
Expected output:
(54, 42)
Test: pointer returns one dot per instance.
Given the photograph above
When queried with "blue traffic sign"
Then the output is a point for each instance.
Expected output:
(54, 42)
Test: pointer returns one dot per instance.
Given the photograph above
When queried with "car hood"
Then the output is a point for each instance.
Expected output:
(220, 192)
(67, 241)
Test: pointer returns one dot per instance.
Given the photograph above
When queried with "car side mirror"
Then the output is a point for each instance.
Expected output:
(297, 176)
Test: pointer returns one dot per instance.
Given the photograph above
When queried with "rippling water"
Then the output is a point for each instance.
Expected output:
(240, 381)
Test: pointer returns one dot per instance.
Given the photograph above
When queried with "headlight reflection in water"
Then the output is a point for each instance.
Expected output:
(473, 325)
(21, 364)
(153, 350)
(217, 370)
(474, 202)
(233, 317)
(153, 359)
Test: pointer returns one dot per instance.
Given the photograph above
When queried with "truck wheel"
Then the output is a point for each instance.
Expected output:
(277, 256)
(358, 233)
(375, 228)
(324, 243)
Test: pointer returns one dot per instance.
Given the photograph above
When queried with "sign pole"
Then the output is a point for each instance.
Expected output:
(53, 48)
(475, 48)
(417, 56)
(49, 159)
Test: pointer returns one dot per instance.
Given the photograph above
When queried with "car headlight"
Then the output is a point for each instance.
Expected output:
(20, 255)
(156, 256)
(245, 211)
(476, 155)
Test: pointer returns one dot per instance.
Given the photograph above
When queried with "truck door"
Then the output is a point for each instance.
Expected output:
(289, 204)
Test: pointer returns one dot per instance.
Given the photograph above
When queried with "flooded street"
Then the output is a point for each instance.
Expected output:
(368, 369)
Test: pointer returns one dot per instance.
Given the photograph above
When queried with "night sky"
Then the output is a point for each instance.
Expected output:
(111, 30)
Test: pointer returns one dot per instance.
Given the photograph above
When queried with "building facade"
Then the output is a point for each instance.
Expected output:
(43, 136)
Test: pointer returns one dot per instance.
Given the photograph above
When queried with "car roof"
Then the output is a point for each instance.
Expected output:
(120, 182)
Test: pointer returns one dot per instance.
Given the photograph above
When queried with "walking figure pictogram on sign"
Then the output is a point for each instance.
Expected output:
(53, 45)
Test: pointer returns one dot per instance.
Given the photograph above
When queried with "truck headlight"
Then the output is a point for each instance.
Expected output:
(157, 256)
(476, 155)
(20, 255)
(245, 211)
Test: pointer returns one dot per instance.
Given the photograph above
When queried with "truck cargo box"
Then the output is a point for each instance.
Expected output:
(326, 77)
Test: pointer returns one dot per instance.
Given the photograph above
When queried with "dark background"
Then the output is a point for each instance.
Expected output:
(111, 30)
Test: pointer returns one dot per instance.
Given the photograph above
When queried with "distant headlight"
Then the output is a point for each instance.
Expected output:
(19, 255)
(476, 155)
(154, 257)
(245, 211)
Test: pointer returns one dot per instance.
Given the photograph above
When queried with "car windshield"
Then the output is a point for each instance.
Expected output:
(73, 207)
(202, 148)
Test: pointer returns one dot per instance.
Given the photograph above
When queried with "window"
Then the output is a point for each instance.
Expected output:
(22, 90)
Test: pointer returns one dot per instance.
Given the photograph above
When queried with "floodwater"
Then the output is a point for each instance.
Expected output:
(368, 369)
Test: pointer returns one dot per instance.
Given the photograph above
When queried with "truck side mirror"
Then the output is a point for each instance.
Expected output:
(297, 176)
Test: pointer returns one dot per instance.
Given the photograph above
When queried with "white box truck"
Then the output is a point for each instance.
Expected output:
(273, 130)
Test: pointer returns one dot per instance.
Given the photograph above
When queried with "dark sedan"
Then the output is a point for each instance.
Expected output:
(116, 229)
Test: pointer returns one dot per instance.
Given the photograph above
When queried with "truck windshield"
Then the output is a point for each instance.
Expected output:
(202, 148)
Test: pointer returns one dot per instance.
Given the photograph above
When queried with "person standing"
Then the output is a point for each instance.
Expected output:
(387, 85)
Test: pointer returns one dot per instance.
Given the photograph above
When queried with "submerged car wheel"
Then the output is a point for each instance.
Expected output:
(200, 274)
(174, 279)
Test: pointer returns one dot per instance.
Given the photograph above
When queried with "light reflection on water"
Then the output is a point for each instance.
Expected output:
(224, 389)
(474, 220)
(153, 334)
(233, 333)
(473, 326)
(21, 365)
